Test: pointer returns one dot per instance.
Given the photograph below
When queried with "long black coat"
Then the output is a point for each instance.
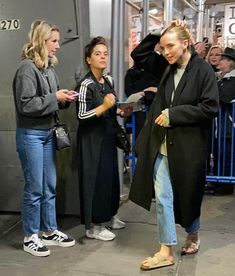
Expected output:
(195, 104)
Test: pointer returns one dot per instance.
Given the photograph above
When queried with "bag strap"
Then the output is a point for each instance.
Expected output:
(109, 80)
(57, 118)
(56, 113)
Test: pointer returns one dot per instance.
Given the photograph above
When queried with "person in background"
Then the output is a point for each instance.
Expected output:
(138, 81)
(213, 58)
(177, 129)
(147, 57)
(37, 99)
(144, 76)
(201, 49)
(97, 152)
(227, 97)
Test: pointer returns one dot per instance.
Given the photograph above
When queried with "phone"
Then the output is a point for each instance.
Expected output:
(72, 93)
(205, 39)
(75, 93)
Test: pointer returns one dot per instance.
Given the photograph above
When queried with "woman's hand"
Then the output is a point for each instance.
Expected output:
(162, 120)
(178, 22)
(125, 112)
(200, 48)
(109, 101)
(65, 95)
(151, 89)
(175, 23)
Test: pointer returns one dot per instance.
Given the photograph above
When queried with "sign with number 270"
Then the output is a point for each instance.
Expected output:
(9, 24)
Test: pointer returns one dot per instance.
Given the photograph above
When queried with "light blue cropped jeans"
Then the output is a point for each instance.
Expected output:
(36, 149)
(164, 203)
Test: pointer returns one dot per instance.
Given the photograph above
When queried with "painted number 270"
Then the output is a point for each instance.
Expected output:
(10, 24)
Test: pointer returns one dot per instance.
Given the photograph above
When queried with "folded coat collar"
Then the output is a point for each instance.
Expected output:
(229, 75)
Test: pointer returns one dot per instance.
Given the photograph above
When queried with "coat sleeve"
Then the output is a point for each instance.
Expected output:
(145, 57)
(205, 108)
(145, 48)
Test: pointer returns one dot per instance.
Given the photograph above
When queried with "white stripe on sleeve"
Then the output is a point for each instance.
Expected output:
(83, 113)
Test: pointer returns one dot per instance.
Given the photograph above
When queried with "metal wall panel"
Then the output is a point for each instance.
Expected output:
(68, 15)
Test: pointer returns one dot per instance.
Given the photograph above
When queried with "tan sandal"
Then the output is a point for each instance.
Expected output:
(157, 261)
(191, 245)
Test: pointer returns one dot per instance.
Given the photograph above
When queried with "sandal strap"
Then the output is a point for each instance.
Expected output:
(192, 246)
(156, 258)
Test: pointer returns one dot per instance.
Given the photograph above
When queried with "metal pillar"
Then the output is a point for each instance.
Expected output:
(207, 23)
(117, 61)
(212, 22)
(145, 18)
(168, 11)
(200, 20)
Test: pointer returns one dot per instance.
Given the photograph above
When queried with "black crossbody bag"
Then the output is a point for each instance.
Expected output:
(61, 133)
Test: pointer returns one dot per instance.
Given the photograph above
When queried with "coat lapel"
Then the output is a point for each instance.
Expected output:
(169, 88)
(183, 79)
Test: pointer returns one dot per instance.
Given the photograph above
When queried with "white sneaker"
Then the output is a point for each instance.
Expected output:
(100, 233)
(34, 246)
(58, 238)
(117, 224)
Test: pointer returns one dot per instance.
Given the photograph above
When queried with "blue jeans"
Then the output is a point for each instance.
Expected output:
(36, 149)
(164, 203)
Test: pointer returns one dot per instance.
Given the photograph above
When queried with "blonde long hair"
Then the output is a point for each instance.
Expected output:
(35, 49)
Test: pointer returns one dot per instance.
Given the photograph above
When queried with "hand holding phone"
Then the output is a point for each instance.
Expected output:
(72, 93)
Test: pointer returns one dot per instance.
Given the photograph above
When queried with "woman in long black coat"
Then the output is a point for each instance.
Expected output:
(97, 152)
(172, 148)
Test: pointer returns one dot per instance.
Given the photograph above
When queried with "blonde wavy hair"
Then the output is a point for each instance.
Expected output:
(35, 49)
(214, 47)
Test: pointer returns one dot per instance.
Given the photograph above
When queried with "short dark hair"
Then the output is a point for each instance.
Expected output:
(89, 47)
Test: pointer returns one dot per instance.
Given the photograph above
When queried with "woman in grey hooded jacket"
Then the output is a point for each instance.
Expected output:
(37, 99)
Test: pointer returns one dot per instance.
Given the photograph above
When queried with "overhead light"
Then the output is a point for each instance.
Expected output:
(153, 11)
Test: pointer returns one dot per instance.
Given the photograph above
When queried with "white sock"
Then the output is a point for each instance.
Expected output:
(28, 238)
(47, 234)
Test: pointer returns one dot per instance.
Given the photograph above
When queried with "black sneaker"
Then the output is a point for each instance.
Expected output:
(35, 247)
(221, 190)
(58, 238)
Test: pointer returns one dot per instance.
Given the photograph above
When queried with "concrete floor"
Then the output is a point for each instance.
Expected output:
(122, 256)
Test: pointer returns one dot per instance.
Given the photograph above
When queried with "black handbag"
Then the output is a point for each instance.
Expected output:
(122, 142)
(61, 133)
